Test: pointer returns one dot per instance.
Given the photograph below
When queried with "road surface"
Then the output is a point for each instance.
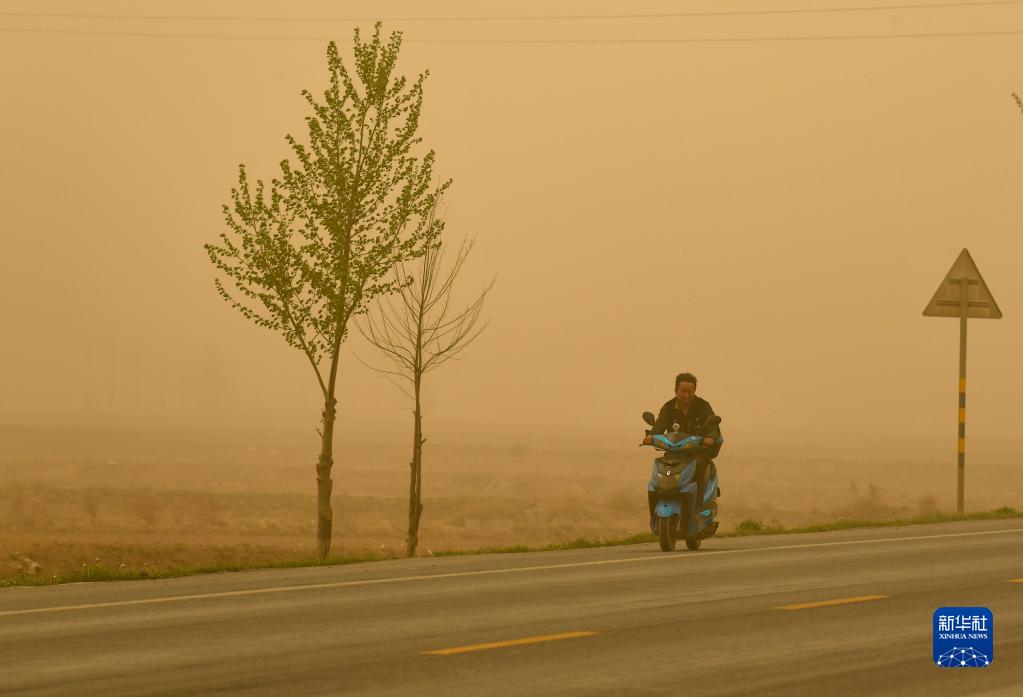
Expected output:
(841, 613)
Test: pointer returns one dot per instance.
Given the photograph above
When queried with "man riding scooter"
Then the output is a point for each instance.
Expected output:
(688, 414)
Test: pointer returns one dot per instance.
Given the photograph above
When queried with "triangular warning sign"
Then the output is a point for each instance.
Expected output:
(948, 300)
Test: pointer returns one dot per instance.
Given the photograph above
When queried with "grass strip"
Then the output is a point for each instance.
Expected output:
(745, 528)
(578, 543)
(755, 527)
(98, 572)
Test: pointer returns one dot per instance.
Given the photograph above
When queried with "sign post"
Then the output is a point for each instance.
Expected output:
(962, 294)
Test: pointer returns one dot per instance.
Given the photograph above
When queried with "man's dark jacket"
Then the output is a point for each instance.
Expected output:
(691, 425)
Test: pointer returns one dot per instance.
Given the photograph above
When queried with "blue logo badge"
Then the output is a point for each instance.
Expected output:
(964, 637)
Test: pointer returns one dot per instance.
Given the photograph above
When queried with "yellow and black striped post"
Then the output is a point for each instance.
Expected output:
(962, 445)
(961, 477)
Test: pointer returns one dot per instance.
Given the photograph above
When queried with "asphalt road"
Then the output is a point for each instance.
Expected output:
(611, 621)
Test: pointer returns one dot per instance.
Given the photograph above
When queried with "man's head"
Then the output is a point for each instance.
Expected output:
(685, 389)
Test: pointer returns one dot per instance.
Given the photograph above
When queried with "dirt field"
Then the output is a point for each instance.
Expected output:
(169, 500)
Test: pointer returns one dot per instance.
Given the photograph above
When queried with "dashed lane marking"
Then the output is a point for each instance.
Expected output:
(509, 642)
(834, 601)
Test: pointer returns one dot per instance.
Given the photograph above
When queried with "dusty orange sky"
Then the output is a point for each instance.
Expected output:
(770, 215)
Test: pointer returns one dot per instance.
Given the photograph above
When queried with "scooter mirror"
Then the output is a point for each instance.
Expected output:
(649, 418)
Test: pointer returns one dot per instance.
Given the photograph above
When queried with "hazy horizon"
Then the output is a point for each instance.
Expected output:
(772, 216)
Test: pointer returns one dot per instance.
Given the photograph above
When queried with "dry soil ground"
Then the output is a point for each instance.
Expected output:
(126, 499)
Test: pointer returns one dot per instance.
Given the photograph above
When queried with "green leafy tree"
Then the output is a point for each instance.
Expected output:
(310, 251)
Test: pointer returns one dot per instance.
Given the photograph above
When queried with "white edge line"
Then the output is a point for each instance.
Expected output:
(484, 572)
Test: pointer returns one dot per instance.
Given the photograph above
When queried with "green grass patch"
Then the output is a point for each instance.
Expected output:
(755, 527)
(578, 543)
(751, 526)
(99, 572)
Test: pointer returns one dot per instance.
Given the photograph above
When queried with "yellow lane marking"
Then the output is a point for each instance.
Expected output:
(1016, 580)
(510, 642)
(652, 558)
(836, 601)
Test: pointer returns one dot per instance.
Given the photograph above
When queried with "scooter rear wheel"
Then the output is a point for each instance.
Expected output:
(693, 543)
(667, 531)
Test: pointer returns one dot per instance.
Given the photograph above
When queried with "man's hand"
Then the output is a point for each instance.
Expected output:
(708, 440)
(649, 440)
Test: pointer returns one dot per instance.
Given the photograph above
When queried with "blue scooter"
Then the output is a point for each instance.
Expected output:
(672, 488)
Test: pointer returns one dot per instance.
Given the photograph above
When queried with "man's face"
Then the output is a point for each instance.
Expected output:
(685, 391)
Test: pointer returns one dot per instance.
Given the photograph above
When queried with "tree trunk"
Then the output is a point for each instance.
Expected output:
(415, 502)
(324, 484)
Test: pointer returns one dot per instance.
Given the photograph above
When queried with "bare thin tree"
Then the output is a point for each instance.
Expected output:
(418, 330)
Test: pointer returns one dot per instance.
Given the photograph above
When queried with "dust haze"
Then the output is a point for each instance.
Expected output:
(772, 216)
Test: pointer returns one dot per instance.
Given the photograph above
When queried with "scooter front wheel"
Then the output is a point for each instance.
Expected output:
(667, 531)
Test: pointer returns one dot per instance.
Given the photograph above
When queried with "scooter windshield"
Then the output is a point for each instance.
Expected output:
(664, 442)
